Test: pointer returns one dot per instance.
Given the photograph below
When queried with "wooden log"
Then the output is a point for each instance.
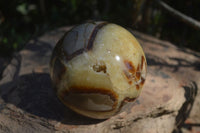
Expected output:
(28, 102)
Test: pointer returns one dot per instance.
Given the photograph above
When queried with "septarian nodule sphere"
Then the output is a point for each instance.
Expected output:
(96, 68)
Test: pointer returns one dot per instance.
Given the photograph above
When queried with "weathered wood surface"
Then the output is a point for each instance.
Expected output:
(28, 103)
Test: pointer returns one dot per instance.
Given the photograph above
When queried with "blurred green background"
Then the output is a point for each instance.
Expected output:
(21, 20)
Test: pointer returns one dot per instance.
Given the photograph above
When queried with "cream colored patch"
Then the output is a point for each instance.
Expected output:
(92, 101)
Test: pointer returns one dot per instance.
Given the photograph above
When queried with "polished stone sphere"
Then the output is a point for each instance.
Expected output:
(96, 68)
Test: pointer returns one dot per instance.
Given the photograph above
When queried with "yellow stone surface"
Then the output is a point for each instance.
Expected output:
(97, 81)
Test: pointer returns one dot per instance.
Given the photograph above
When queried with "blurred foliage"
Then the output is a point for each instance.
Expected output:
(163, 25)
(21, 20)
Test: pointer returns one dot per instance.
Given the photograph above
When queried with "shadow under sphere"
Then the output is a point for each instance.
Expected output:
(34, 94)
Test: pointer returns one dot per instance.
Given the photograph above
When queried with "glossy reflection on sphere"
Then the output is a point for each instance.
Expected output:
(96, 68)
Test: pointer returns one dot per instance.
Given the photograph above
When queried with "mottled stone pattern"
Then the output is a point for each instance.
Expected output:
(170, 96)
(101, 59)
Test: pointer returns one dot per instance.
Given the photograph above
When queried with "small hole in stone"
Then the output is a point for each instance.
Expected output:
(100, 67)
